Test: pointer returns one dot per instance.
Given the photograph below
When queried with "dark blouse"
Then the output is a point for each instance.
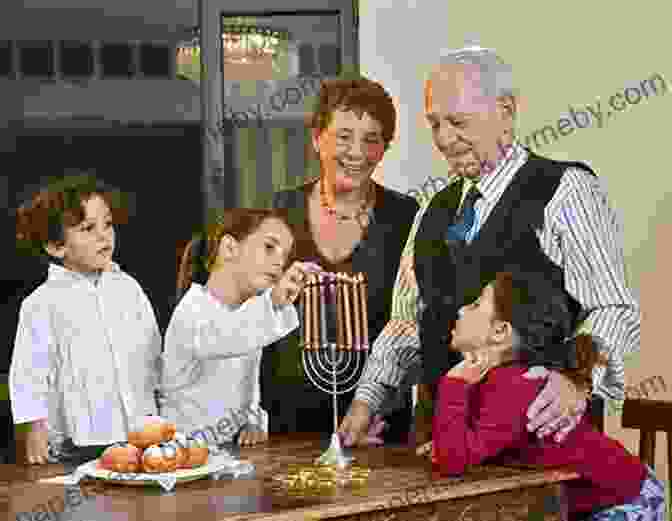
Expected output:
(293, 403)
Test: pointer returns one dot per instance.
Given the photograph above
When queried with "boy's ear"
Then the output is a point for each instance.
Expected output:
(55, 250)
(228, 247)
(508, 106)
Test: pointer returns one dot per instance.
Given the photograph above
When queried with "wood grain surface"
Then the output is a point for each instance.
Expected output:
(401, 486)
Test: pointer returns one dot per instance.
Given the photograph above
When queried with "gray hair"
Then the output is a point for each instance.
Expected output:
(496, 75)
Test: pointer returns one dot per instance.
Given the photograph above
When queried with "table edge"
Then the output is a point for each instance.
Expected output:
(383, 502)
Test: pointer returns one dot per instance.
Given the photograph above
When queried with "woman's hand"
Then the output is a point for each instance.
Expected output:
(472, 369)
(292, 283)
(250, 436)
(559, 406)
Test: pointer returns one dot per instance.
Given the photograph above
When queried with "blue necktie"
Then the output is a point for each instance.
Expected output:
(466, 218)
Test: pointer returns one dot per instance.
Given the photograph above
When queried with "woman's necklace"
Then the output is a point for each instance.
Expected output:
(359, 215)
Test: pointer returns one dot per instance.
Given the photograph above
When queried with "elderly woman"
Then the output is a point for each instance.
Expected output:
(345, 222)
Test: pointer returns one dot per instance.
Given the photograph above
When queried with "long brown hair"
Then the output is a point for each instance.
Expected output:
(540, 315)
(201, 252)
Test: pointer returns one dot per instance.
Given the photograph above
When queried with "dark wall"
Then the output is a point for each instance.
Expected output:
(159, 167)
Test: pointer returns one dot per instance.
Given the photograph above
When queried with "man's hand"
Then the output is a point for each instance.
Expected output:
(354, 427)
(251, 436)
(37, 446)
(559, 406)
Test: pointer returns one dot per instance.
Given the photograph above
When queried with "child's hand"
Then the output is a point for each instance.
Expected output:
(251, 436)
(472, 369)
(292, 283)
(37, 446)
(427, 450)
(424, 449)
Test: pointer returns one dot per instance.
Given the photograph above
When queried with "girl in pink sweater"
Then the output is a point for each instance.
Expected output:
(523, 320)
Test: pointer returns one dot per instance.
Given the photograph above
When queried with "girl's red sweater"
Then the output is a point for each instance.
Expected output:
(488, 421)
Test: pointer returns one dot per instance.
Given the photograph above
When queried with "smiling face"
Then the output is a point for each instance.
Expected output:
(350, 148)
(88, 246)
(468, 127)
(258, 261)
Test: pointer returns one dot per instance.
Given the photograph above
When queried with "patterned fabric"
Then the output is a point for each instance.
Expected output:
(466, 219)
(581, 233)
(648, 506)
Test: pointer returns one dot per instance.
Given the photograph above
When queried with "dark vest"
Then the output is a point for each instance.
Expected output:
(452, 275)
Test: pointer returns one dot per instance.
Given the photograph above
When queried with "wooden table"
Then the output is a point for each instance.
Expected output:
(401, 487)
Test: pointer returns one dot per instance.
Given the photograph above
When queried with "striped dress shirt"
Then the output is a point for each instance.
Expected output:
(581, 235)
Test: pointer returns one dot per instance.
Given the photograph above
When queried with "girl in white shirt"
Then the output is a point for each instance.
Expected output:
(87, 348)
(237, 299)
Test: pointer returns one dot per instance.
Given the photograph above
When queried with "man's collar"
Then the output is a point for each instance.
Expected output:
(488, 183)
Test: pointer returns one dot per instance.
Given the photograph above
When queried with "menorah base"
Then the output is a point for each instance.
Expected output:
(334, 454)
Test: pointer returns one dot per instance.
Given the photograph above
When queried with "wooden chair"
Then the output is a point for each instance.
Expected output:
(649, 417)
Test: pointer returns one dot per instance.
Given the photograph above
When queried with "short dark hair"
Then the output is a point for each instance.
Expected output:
(60, 204)
(361, 95)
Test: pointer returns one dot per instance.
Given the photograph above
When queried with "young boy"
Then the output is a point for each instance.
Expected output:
(87, 349)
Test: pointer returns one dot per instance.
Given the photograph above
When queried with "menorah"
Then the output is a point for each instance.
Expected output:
(335, 340)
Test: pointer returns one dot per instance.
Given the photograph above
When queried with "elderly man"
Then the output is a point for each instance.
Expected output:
(504, 206)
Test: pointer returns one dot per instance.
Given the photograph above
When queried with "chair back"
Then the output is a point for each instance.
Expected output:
(649, 417)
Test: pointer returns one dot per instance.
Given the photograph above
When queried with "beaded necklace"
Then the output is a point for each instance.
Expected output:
(362, 214)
